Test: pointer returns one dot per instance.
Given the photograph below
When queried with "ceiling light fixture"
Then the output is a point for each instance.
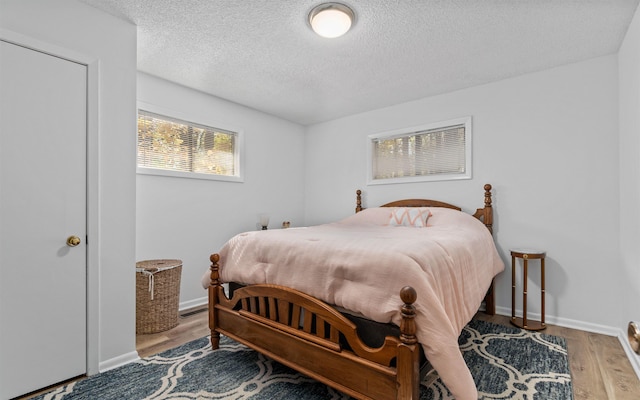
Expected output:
(331, 20)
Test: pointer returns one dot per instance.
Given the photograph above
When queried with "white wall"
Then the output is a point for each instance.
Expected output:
(189, 219)
(95, 35)
(629, 92)
(547, 142)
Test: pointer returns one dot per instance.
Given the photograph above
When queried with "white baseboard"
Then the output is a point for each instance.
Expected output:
(564, 322)
(193, 303)
(634, 358)
(118, 361)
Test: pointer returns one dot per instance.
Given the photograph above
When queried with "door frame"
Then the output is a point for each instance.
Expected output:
(93, 186)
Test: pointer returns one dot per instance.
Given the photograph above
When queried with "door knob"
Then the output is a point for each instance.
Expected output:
(73, 241)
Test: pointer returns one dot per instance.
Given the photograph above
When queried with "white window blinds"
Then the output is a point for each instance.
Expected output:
(171, 144)
(435, 152)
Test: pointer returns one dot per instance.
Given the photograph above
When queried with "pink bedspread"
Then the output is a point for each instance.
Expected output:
(361, 263)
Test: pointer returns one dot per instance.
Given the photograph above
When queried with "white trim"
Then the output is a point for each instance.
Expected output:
(199, 120)
(564, 322)
(466, 121)
(185, 305)
(93, 184)
(185, 174)
(93, 217)
(51, 49)
(119, 361)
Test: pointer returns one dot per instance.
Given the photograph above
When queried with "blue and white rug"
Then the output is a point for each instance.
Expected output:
(506, 363)
(510, 363)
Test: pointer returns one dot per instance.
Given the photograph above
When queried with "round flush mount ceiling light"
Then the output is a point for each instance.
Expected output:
(331, 20)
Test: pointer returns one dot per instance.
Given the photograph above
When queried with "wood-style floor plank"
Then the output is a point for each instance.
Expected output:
(190, 328)
(620, 382)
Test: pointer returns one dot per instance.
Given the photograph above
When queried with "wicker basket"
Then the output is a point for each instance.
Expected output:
(157, 295)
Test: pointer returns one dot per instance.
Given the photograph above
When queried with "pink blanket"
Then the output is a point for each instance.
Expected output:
(361, 263)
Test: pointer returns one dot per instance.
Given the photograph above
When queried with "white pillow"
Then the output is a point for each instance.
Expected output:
(410, 216)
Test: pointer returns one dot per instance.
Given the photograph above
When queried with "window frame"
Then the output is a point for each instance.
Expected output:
(190, 119)
(410, 131)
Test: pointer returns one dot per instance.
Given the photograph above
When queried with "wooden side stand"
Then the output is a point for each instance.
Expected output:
(523, 322)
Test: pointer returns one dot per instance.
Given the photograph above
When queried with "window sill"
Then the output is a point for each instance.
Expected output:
(188, 175)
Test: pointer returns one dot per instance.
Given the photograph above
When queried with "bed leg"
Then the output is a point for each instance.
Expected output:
(408, 363)
(490, 300)
(213, 300)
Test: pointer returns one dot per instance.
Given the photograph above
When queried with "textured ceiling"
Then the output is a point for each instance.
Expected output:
(262, 53)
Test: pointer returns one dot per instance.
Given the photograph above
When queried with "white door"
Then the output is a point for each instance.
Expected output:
(43, 125)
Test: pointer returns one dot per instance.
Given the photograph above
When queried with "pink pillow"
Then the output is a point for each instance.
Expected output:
(410, 216)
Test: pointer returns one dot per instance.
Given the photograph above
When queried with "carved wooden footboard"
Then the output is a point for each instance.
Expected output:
(308, 335)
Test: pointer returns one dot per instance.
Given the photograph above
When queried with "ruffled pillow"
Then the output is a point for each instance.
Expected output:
(410, 216)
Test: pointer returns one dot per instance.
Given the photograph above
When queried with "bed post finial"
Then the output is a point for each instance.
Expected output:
(408, 296)
(215, 269)
(487, 195)
(358, 200)
(488, 210)
(214, 288)
(485, 214)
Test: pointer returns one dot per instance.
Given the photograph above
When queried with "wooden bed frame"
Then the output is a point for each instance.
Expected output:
(309, 335)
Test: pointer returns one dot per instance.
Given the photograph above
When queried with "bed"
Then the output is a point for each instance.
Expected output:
(304, 295)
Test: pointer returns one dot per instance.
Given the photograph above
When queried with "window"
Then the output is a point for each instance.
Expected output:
(440, 151)
(173, 147)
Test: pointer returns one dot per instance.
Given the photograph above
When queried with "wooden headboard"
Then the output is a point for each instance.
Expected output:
(484, 214)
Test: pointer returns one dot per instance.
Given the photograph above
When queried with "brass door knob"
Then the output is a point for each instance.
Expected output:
(73, 241)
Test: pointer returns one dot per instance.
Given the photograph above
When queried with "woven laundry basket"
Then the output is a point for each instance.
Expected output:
(157, 295)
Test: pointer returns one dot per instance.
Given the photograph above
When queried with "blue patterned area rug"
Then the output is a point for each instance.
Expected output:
(506, 363)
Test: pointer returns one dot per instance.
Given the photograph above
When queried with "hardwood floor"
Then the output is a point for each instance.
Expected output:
(193, 324)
